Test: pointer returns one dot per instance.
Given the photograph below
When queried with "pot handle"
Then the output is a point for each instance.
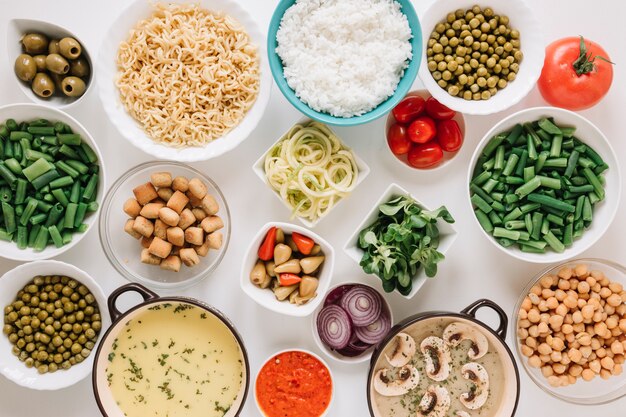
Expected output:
(504, 321)
(145, 293)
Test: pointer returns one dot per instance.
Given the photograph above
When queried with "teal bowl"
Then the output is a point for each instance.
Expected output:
(403, 87)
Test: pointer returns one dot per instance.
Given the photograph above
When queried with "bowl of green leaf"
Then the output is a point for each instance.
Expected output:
(401, 241)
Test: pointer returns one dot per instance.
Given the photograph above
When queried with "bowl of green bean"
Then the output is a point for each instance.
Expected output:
(52, 182)
(544, 184)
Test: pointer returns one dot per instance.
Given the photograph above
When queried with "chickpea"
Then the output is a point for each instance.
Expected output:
(534, 361)
(595, 366)
(527, 351)
(588, 374)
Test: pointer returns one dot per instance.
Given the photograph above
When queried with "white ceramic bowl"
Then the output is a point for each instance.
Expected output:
(123, 251)
(446, 230)
(308, 352)
(259, 169)
(532, 45)
(10, 366)
(265, 297)
(596, 391)
(447, 156)
(363, 357)
(22, 112)
(17, 28)
(131, 130)
(604, 212)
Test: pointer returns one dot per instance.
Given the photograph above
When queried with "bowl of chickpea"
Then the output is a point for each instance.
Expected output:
(570, 325)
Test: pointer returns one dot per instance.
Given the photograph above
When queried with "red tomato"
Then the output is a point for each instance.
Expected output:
(425, 155)
(422, 129)
(449, 135)
(397, 140)
(574, 76)
(438, 111)
(408, 109)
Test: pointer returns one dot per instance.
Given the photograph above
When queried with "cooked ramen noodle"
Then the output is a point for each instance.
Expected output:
(187, 75)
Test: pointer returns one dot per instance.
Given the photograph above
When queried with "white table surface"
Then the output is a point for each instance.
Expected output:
(473, 268)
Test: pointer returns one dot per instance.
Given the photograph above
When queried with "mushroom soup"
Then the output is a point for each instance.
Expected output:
(438, 367)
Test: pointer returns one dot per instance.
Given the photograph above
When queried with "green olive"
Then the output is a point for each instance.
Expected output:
(25, 67)
(35, 43)
(43, 85)
(59, 65)
(53, 47)
(70, 48)
(73, 87)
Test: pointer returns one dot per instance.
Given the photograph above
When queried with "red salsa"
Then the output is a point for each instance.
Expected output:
(294, 384)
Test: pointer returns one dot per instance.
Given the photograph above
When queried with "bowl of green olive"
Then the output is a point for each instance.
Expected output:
(50, 64)
(480, 59)
(53, 316)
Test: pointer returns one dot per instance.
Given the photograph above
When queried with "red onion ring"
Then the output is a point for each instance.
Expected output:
(375, 332)
(363, 304)
(334, 327)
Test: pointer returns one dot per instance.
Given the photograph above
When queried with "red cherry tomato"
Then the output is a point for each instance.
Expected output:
(425, 155)
(449, 135)
(574, 76)
(408, 109)
(438, 111)
(397, 139)
(422, 129)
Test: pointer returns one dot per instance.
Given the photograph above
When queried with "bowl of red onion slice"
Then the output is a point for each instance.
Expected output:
(351, 321)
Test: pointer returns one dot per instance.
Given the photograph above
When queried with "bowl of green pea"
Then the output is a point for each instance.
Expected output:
(544, 184)
(52, 182)
(54, 315)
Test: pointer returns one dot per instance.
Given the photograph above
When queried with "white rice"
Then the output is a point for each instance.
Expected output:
(344, 57)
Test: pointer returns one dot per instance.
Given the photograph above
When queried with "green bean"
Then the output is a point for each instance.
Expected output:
(89, 152)
(67, 237)
(28, 212)
(17, 135)
(36, 169)
(56, 213)
(571, 163)
(511, 198)
(22, 237)
(554, 242)
(499, 161)
(600, 169)
(40, 130)
(529, 173)
(515, 224)
(60, 196)
(522, 163)
(41, 241)
(555, 150)
(530, 249)
(6, 174)
(532, 150)
(6, 195)
(548, 182)
(528, 127)
(43, 180)
(498, 206)
(4, 235)
(510, 164)
(33, 155)
(61, 182)
(548, 201)
(586, 163)
(32, 235)
(92, 207)
(8, 150)
(11, 125)
(494, 218)
(480, 203)
(514, 180)
(593, 180)
(63, 166)
(13, 165)
(70, 215)
(514, 134)
(89, 192)
(82, 228)
(8, 213)
(38, 218)
(75, 192)
(587, 214)
(477, 190)
(78, 166)
(41, 205)
(489, 185)
(528, 222)
(549, 127)
(555, 219)
(587, 188)
(528, 187)
(57, 239)
(507, 234)
(4, 132)
(493, 145)
(69, 152)
(515, 214)
(556, 163)
(528, 207)
(484, 221)
(593, 198)
(568, 235)
(50, 140)
(81, 210)
(68, 138)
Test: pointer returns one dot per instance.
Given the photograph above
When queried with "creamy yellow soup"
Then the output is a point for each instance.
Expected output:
(175, 359)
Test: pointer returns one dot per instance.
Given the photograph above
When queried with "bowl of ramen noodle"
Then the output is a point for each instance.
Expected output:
(436, 364)
(184, 81)
(169, 356)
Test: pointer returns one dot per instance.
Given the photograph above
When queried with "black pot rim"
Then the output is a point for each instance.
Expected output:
(157, 300)
(437, 314)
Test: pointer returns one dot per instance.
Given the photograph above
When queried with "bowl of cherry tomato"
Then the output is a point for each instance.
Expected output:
(422, 133)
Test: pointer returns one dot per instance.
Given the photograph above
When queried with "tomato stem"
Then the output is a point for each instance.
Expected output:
(585, 63)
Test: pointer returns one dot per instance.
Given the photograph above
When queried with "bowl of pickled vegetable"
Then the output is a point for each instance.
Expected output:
(52, 181)
(544, 184)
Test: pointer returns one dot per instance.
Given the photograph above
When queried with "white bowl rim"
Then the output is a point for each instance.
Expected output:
(308, 352)
(291, 309)
(95, 289)
(366, 354)
(102, 187)
(580, 244)
(105, 241)
(142, 141)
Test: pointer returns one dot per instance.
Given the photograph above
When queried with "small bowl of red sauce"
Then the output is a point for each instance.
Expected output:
(294, 383)
(423, 134)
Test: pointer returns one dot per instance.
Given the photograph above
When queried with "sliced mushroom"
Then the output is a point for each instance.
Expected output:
(456, 332)
(311, 263)
(407, 378)
(479, 392)
(462, 413)
(403, 350)
(437, 356)
(434, 403)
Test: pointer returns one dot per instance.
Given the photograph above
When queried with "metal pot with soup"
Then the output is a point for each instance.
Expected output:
(169, 356)
(437, 364)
